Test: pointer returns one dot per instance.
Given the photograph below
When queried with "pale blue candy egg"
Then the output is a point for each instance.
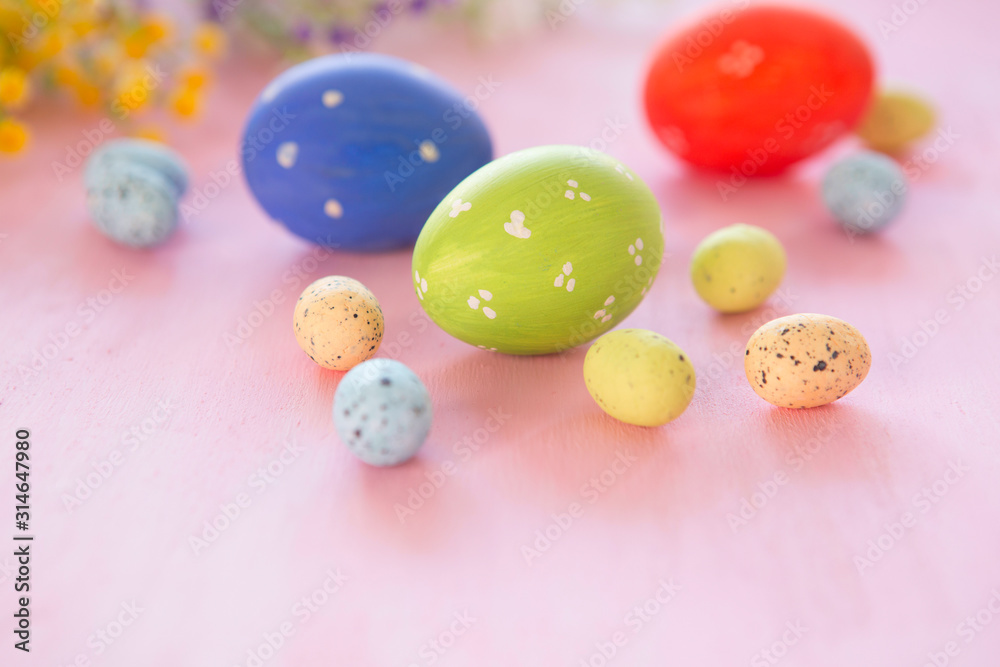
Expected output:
(865, 191)
(132, 204)
(138, 151)
(354, 151)
(382, 412)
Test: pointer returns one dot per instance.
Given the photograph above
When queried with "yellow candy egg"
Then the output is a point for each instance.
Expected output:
(895, 120)
(639, 377)
(736, 268)
(806, 360)
(338, 323)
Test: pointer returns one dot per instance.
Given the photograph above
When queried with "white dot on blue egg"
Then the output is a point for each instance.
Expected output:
(429, 151)
(332, 98)
(287, 153)
(333, 208)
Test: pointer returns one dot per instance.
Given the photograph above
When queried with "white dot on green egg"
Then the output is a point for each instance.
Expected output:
(607, 318)
(599, 314)
(489, 312)
(631, 250)
(287, 153)
(638, 244)
(638, 260)
(423, 285)
(416, 276)
(332, 98)
(333, 208)
(610, 300)
(429, 152)
(570, 284)
(485, 294)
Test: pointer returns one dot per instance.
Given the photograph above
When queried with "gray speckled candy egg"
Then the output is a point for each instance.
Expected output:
(806, 360)
(152, 154)
(382, 412)
(865, 191)
(133, 204)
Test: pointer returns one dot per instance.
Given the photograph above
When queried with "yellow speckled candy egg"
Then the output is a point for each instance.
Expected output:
(895, 120)
(639, 377)
(338, 323)
(806, 360)
(736, 268)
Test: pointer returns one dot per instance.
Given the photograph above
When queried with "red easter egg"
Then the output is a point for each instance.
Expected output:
(752, 90)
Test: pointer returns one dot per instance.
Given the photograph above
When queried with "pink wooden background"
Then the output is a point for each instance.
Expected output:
(149, 381)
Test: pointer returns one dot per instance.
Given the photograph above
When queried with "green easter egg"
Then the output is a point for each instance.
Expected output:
(539, 251)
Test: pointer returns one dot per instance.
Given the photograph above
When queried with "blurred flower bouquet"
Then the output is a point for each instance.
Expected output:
(111, 55)
(303, 28)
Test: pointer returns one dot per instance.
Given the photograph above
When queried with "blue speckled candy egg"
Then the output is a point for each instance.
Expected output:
(133, 204)
(382, 412)
(865, 191)
(152, 154)
(355, 151)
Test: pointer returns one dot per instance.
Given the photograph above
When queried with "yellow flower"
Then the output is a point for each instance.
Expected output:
(14, 87)
(11, 20)
(82, 27)
(65, 74)
(209, 40)
(50, 43)
(49, 9)
(158, 27)
(150, 132)
(88, 94)
(132, 85)
(154, 30)
(13, 136)
(185, 102)
(193, 77)
(107, 58)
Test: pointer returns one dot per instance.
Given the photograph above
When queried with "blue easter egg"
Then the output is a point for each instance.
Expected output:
(133, 204)
(355, 151)
(382, 412)
(864, 191)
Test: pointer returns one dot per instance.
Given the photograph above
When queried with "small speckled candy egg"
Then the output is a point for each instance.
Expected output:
(152, 154)
(736, 268)
(338, 323)
(865, 191)
(895, 120)
(639, 377)
(382, 412)
(133, 204)
(806, 360)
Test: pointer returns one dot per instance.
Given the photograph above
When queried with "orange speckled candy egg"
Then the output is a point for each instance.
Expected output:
(338, 323)
(752, 89)
(806, 360)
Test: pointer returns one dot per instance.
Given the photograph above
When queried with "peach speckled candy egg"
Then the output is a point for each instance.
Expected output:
(806, 360)
(338, 323)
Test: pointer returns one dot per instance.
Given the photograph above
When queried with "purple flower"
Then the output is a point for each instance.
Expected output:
(302, 31)
(339, 34)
